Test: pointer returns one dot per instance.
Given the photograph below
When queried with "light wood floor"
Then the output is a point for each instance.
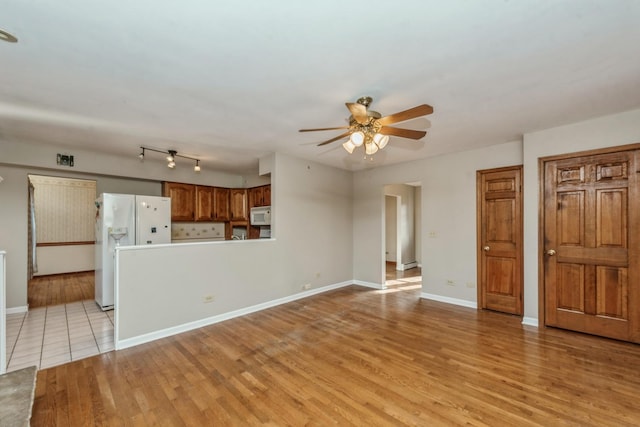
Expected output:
(353, 356)
(60, 289)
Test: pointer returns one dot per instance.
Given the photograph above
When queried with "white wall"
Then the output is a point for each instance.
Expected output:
(417, 217)
(608, 131)
(64, 259)
(448, 210)
(163, 287)
(391, 228)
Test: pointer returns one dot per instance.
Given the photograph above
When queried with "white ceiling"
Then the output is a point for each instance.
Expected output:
(231, 81)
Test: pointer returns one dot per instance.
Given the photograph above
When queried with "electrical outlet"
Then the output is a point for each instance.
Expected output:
(207, 298)
(432, 234)
(471, 285)
(306, 286)
(451, 282)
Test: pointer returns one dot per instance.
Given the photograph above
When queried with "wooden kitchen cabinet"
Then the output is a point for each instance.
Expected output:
(204, 203)
(221, 208)
(183, 197)
(239, 204)
(260, 196)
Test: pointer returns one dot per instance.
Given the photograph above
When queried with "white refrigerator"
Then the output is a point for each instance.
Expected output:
(125, 220)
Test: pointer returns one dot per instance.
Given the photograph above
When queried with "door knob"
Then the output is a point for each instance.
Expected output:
(486, 248)
(551, 252)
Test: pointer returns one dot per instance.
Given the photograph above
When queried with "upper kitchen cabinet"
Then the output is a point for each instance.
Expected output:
(183, 197)
(204, 203)
(239, 207)
(260, 196)
(221, 209)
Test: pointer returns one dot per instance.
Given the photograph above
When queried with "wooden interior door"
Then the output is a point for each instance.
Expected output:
(591, 226)
(500, 277)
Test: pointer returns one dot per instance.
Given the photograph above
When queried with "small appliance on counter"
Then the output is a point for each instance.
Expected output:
(265, 232)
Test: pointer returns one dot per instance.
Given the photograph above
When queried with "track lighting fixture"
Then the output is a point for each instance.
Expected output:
(171, 157)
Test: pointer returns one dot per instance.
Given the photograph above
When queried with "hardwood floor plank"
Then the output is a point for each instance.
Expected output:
(59, 289)
(353, 356)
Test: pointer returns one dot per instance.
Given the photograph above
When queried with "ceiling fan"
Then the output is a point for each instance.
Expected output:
(367, 127)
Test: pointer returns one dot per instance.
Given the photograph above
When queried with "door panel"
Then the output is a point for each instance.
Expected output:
(590, 226)
(500, 240)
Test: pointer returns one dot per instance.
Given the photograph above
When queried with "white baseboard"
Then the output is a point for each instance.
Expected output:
(152, 336)
(449, 300)
(407, 266)
(368, 284)
(16, 310)
(530, 321)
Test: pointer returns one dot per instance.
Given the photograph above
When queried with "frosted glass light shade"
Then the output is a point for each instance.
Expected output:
(381, 140)
(370, 148)
(357, 138)
(349, 146)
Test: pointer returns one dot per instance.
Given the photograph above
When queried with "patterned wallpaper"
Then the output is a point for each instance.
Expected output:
(65, 209)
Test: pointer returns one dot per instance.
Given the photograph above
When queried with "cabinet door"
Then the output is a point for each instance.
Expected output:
(204, 203)
(266, 195)
(255, 197)
(239, 204)
(182, 200)
(221, 211)
(260, 196)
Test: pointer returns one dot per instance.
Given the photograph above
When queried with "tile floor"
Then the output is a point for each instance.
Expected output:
(54, 335)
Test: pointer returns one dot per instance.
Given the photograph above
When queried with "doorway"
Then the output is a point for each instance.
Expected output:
(63, 322)
(590, 242)
(402, 240)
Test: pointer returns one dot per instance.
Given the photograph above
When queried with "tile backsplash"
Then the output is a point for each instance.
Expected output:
(197, 230)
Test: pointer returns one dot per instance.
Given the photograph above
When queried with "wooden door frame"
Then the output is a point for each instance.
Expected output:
(480, 297)
(542, 321)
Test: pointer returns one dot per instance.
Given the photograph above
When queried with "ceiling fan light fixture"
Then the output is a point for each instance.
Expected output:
(357, 138)
(367, 127)
(349, 146)
(370, 148)
(381, 140)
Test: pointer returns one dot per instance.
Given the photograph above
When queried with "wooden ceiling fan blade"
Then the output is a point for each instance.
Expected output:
(411, 113)
(404, 133)
(358, 111)
(314, 130)
(344, 135)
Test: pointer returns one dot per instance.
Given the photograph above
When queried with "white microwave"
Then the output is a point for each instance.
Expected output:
(261, 215)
